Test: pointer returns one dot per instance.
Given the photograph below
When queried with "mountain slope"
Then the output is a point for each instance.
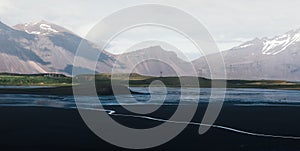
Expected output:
(45, 47)
(265, 58)
(15, 56)
(154, 61)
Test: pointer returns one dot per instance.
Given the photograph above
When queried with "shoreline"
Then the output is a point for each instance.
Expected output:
(88, 91)
(67, 90)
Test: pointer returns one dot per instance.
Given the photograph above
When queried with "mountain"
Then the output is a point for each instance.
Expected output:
(45, 47)
(41, 28)
(41, 47)
(15, 57)
(264, 58)
(154, 61)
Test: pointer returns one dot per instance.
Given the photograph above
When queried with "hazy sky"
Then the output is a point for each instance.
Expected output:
(230, 22)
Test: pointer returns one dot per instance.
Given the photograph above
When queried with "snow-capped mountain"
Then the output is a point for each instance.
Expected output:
(275, 45)
(51, 50)
(41, 28)
(28, 48)
(264, 58)
(280, 43)
(45, 47)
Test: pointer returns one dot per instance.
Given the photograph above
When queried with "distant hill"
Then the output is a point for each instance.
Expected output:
(154, 61)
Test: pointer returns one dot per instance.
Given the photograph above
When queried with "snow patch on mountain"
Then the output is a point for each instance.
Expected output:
(274, 58)
(272, 46)
(245, 45)
(35, 32)
(41, 28)
(280, 43)
(47, 28)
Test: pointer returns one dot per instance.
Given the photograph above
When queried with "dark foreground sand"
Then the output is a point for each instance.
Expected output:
(40, 128)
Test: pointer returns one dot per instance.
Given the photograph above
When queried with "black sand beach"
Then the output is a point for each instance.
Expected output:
(42, 128)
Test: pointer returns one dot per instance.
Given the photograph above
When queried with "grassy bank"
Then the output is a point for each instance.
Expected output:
(136, 80)
(34, 80)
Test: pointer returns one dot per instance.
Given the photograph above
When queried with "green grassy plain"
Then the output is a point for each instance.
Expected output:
(138, 81)
(34, 80)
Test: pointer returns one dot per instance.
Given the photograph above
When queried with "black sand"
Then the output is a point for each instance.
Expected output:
(41, 128)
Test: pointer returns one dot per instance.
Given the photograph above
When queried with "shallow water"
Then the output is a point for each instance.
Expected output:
(173, 96)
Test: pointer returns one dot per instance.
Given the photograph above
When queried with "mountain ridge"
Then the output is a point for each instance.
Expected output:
(53, 49)
(273, 58)
(22, 52)
(56, 50)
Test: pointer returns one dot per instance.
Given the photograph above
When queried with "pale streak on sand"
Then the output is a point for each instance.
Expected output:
(112, 112)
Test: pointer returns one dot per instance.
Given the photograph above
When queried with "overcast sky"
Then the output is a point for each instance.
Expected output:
(230, 22)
